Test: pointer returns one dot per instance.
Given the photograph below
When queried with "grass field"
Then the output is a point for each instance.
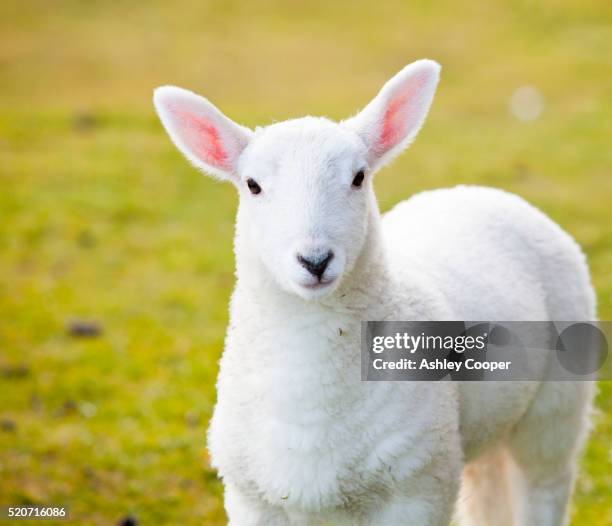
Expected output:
(102, 220)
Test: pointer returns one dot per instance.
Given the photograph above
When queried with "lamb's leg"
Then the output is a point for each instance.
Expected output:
(544, 501)
(545, 445)
(243, 510)
(406, 511)
(485, 496)
(427, 500)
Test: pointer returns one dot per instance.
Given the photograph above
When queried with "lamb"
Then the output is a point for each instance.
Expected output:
(296, 436)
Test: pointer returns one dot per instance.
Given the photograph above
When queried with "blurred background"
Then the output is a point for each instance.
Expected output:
(116, 256)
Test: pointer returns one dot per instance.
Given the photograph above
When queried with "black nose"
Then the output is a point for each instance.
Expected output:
(316, 266)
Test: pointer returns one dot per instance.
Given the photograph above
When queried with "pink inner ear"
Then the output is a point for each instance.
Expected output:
(401, 114)
(202, 137)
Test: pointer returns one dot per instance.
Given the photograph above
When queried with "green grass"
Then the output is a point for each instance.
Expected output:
(100, 217)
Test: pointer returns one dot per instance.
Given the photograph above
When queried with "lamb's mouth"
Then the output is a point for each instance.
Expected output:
(320, 284)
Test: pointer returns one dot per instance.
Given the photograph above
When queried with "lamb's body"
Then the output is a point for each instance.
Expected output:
(493, 257)
(299, 437)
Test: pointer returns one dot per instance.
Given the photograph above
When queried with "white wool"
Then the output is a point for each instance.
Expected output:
(296, 435)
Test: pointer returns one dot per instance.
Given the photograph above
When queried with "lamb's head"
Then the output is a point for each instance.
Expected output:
(305, 185)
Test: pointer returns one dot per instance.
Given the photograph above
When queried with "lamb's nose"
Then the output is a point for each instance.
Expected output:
(316, 265)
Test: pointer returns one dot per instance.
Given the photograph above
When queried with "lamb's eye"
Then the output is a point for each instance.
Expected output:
(358, 179)
(253, 186)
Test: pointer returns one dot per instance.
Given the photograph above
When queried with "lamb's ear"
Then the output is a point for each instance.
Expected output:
(393, 118)
(209, 139)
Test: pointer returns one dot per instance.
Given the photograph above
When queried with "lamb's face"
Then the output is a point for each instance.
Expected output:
(305, 185)
(305, 189)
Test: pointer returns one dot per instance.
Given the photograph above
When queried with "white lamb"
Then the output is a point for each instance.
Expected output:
(296, 436)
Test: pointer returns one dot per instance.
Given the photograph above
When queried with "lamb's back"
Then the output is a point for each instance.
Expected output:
(492, 255)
